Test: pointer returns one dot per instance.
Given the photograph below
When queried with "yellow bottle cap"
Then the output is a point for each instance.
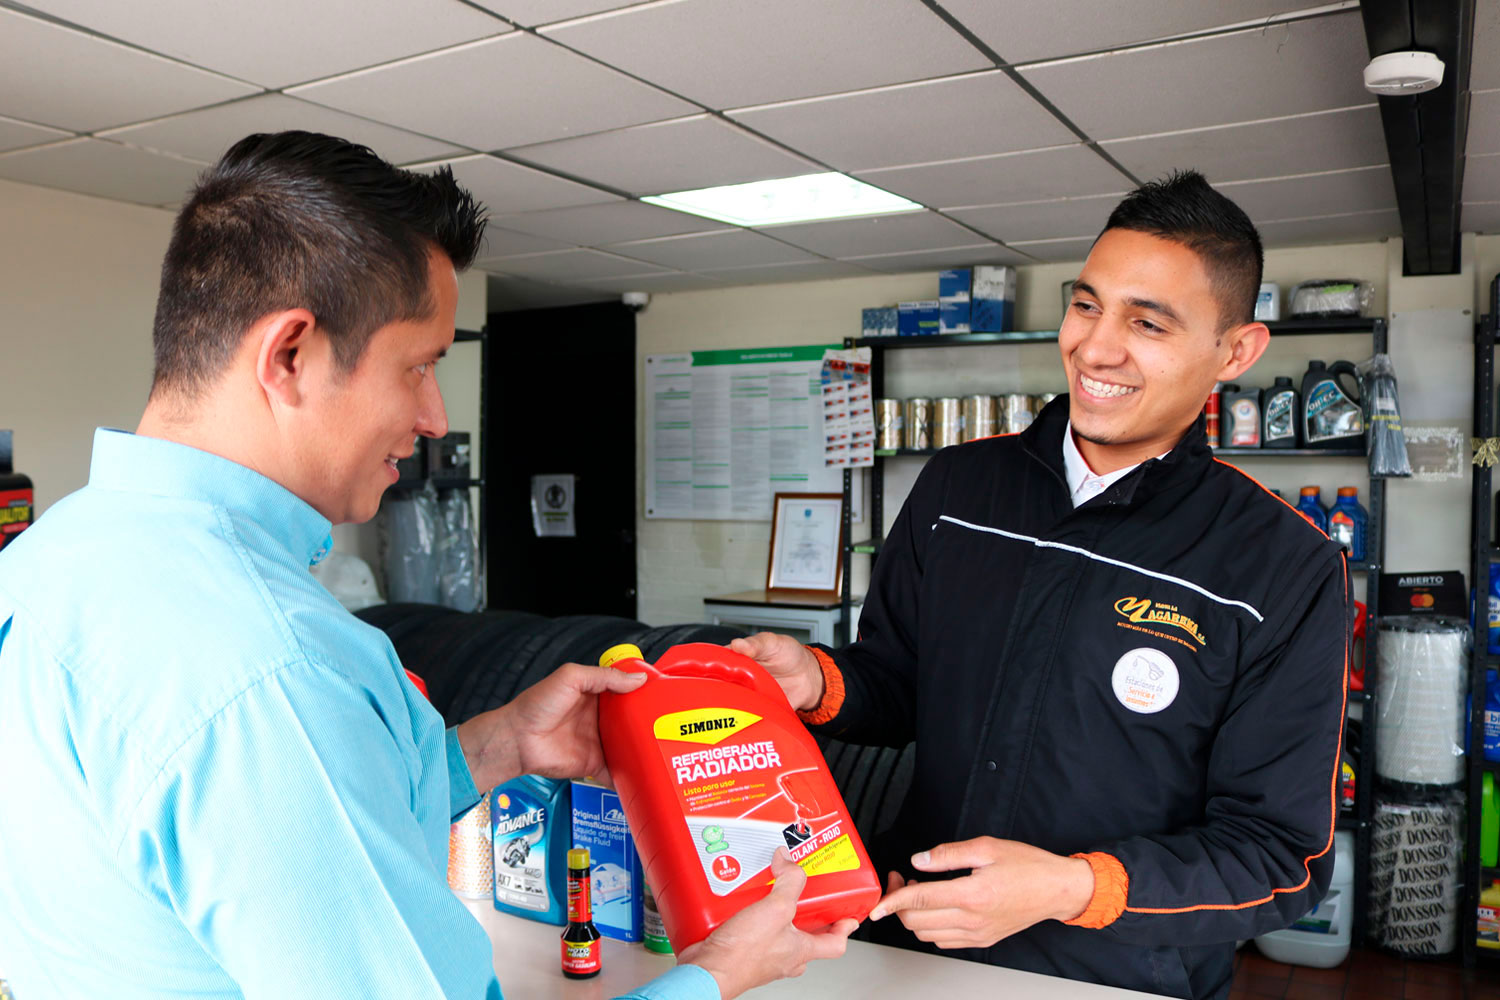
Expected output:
(624, 651)
(578, 857)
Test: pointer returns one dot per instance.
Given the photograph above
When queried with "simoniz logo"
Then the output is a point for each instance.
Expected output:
(1143, 610)
(706, 726)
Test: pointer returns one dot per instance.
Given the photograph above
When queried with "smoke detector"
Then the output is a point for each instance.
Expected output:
(1401, 74)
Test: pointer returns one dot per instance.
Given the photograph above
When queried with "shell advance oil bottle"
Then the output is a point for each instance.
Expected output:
(715, 772)
(530, 829)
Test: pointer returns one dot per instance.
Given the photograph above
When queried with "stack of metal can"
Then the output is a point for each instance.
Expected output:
(922, 424)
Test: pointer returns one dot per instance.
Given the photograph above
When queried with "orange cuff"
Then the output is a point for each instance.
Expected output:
(833, 691)
(1111, 887)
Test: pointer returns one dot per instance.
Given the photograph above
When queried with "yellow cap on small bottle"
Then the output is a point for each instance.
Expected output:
(624, 651)
(578, 857)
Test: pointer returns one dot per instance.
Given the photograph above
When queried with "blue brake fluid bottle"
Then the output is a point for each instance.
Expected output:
(531, 824)
(1310, 504)
(1348, 523)
(1491, 716)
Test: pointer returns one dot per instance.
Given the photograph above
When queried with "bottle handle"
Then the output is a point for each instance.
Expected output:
(1347, 368)
(704, 659)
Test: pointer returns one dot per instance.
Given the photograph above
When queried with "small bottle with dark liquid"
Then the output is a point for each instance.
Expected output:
(581, 947)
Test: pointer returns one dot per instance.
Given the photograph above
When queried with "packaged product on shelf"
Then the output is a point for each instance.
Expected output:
(1492, 630)
(1388, 455)
(1212, 415)
(953, 300)
(918, 319)
(1348, 523)
(1330, 297)
(1268, 302)
(1310, 505)
(1491, 715)
(1488, 930)
(878, 322)
(1240, 417)
(1331, 417)
(1278, 414)
(992, 299)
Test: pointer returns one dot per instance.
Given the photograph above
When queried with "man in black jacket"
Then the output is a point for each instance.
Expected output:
(1122, 661)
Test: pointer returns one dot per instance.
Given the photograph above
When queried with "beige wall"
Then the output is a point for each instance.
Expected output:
(683, 561)
(78, 279)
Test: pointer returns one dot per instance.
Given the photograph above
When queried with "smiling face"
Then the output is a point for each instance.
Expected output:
(1142, 345)
(364, 420)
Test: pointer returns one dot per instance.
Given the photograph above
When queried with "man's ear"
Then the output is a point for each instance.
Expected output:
(281, 339)
(1246, 344)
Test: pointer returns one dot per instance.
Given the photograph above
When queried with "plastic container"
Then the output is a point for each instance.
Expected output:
(1489, 823)
(1240, 419)
(715, 772)
(1492, 642)
(1331, 416)
(1278, 414)
(1491, 715)
(1267, 302)
(1321, 938)
(1348, 524)
(531, 823)
(582, 951)
(1310, 503)
(1213, 420)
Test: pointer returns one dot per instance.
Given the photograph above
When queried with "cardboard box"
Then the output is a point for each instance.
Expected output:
(879, 322)
(953, 316)
(918, 319)
(954, 284)
(1430, 594)
(992, 299)
(614, 867)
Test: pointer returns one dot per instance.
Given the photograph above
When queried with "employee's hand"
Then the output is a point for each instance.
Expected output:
(1010, 887)
(792, 664)
(551, 728)
(759, 944)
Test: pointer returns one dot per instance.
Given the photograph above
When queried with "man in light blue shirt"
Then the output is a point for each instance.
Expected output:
(215, 781)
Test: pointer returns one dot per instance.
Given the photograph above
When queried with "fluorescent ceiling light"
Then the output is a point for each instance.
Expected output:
(809, 198)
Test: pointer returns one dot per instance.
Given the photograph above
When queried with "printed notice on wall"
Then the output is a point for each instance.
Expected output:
(726, 430)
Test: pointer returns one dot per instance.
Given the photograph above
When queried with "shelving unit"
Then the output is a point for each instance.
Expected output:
(1360, 823)
(1483, 551)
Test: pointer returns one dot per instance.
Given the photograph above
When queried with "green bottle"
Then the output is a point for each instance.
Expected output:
(653, 931)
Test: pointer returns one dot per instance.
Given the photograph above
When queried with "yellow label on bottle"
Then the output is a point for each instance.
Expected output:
(703, 725)
(838, 856)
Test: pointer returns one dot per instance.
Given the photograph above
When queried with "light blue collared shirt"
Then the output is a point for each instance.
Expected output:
(214, 781)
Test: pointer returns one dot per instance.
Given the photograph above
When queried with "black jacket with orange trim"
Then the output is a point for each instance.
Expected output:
(1155, 680)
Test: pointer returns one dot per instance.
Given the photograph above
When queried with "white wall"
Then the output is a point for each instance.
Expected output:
(681, 562)
(78, 281)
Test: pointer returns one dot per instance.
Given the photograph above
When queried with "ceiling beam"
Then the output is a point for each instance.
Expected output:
(1425, 134)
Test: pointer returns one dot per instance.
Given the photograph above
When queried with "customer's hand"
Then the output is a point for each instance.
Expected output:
(551, 728)
(1010, 887)
(759, 944)
(792, 664)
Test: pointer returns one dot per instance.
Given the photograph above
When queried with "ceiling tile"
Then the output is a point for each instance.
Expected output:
(1482, 178)
(1041, 220)
(1058, 250)
(809, 270)
(56, 76)
(1484, 122)
(207, 133)
(615, 222)
(1025, 31)
(252, 41)
(1285, 69)
(729, 54)
(669, 281)
(1484, 71)
(1481, 217)
(504, 293)
(1060, 172)
(937, 260)
(700, 251)
(530, 13)
(877, 234)
(501, 242)
(18, 135)
(1323, 140)
(517, 90)
(506, 188)
(1350, 228)
(1364, 190)
(679, 155)
(568, 265)
(915, 122)
(104, 169)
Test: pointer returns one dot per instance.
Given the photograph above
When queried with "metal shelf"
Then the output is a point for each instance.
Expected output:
(958, 340)
(1292, 452)
(1331, 324)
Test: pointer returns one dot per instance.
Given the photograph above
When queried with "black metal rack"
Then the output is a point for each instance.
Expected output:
(482, 337)
(1376, 328)
(1483, 551)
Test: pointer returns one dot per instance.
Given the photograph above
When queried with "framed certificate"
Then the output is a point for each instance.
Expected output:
(807, 543)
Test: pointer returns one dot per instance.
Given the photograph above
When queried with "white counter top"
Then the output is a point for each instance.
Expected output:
(526, 960)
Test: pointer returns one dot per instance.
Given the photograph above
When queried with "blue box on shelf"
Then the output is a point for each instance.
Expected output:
(954, 284)
(993, 299)
(878, 322)
(918, 319)
(953, 316)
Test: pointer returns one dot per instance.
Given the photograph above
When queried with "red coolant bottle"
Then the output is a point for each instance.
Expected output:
(715, 772)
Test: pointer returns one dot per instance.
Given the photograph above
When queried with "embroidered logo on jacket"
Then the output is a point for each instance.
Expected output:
(1145, 680)
(1142, 611)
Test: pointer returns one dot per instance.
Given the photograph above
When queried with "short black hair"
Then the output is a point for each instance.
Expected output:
(292, 220)
(1185, 209)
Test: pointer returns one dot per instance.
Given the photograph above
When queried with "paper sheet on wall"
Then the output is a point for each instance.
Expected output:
(726, 430)
(848, 410)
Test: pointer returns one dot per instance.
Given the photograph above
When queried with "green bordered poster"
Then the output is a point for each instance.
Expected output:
(726, 430)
